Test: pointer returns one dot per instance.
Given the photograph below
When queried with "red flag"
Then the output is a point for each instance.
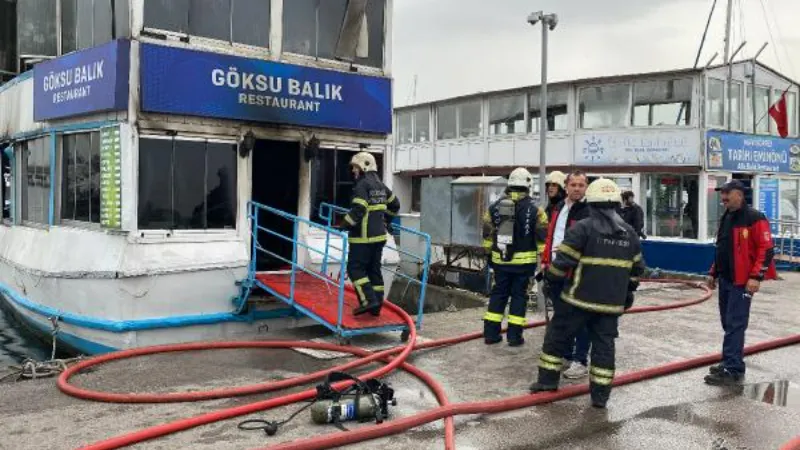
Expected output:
(780, 115)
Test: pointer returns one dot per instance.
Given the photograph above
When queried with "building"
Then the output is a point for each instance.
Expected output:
(670, 137)
(135, 133)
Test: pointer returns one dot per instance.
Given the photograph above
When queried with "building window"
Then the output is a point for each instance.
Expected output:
(315, 28)
(507, 114)
(422, 125)
(332, 181)
(604, 106)
(416, 193)
(671, 205)
(8, 39)
(736, 106)
(788, 205)
(762, 120)
(36, 181)
(88, 23)
(405, 133)
(38, 37)
(662, 103)
(80, 185)
(470, 123)
(248, 21)
(7, 180)
(446, 122)
(188, 185)
(714, 204)
(715, 101)
(556, 110)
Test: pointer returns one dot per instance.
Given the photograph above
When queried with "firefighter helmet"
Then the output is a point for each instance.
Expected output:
(603, 190)
(556, 177)
(520, 177)
(364, 161)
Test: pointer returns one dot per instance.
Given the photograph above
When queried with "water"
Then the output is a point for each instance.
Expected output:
(779, 393)
(16, 346)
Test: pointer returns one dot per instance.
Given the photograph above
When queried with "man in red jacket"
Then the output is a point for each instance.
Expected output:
(743, 259)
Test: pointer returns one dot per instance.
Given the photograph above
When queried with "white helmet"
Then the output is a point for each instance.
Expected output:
(364, 161)
(520, 177)
(603, 190)
(556, 177)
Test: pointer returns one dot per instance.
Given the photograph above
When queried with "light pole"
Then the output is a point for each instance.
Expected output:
(549, 22)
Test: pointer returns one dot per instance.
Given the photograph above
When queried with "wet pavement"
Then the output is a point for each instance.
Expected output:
(674, 412)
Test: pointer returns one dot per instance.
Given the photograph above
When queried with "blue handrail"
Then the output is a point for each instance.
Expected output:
(327, 212)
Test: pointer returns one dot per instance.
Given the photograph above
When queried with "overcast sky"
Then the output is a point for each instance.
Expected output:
(457, 47)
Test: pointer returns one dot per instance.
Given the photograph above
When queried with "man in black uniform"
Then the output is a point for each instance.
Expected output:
(514, 229)
(373, 207)
(600, 260)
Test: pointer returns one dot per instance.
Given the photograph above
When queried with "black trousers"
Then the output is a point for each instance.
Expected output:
(565, 325)
(364, 270)
(508, 282)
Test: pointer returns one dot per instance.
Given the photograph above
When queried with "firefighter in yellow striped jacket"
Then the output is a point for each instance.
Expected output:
(599, 264)
(373, 207)
(514, 232)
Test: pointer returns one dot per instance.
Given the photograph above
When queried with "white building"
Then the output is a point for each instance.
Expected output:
(669, 137)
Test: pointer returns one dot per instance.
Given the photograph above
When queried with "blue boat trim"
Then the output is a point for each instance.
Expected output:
(123, 326)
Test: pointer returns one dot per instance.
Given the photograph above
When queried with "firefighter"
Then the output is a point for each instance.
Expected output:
(598, 263)
(555, 183)
(372, 207)
(514, 230)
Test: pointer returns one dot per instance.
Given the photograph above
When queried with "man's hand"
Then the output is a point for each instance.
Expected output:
(712, 283)
(752, 286)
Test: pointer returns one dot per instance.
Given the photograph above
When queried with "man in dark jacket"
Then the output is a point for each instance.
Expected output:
(566, 214)
(743, 259)
(632, 214)
(373, 206)
(597, 269)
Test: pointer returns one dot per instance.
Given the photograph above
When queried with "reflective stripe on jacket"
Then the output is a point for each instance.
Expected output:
(530, 231)
(372, 204)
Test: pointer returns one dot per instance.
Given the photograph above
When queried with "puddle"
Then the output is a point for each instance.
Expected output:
(779, 393)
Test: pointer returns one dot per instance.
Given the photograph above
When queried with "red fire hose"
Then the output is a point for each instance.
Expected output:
(794, 444)
(446, 410)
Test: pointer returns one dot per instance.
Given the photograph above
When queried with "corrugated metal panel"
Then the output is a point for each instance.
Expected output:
(16, 109)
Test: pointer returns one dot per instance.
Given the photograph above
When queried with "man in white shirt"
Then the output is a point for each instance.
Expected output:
(568, 212)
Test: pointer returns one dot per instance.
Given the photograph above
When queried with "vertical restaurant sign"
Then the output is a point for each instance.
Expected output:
(87, 81)
(110, 178)
(196, 83)
(736, 152)
(768, 197)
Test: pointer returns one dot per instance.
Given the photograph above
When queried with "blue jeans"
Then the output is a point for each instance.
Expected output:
(579, 350)
(734, 313)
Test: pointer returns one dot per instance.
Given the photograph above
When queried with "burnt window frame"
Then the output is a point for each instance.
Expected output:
(358, 63)
(231, 231)
(188, 36)
(338, 183)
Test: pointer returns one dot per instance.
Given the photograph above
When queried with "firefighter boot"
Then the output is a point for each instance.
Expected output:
(547, 382)
(373, 308)
(600, 395)
(491, 332)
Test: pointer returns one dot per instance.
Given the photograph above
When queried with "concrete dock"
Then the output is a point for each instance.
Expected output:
(675, 412)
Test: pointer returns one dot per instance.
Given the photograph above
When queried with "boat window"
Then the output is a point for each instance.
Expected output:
(557, 119)
(332, 181)
(188, 185)
(6, 180)
(35, 189)
(671, 205)
(422, 125)
(507, 114)
(37, 33)
(88, 23)
(604, 106)
(715, 103)
(334, 29)
(404, 130)
(446, 121)
(8, 39)
(662, 103)
(80, 185)
(420, 119)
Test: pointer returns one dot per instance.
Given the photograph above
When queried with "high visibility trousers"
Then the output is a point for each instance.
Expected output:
(364, 270)
(561, 332)
(507, 283)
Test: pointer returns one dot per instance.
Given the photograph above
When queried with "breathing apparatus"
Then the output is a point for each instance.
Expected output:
(506, 211)
(364, 401)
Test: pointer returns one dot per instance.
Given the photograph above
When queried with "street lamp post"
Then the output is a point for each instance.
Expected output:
(549, 22)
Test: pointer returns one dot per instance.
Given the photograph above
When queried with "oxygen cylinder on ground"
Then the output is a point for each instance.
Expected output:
(325, 411)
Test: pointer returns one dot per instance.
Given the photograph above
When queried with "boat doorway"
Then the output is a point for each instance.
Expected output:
(276, 183)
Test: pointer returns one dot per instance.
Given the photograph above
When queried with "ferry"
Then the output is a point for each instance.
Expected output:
(173, 173)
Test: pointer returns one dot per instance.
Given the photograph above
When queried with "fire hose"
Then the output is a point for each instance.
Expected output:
(794, 444)
(445, 411)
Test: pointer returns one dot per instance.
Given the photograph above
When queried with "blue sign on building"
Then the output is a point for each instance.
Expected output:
(768, 195)
(190, 82)
(737, 152)
(88, 81)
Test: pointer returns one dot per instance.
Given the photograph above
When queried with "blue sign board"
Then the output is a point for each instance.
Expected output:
(190, 82)
(768, 196)
(88, 81)
(735, 152)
